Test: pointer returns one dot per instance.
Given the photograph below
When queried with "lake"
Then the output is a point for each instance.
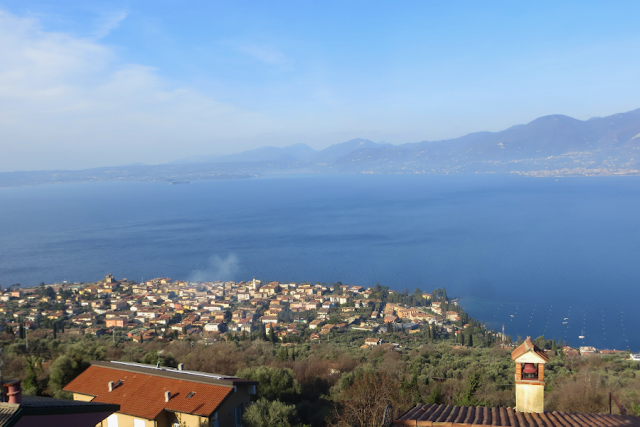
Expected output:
(521, 251)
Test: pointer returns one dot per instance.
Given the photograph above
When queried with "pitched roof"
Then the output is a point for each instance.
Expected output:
(7, 412)
(526, 346)
(428, 415)
(142, 394)
(33, 406)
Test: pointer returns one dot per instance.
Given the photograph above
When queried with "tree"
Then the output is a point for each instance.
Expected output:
(584, 392)
(273, 383)
(61, 372)
(466, 397)
(362, 404)
(32, 386)
(150, 358)
(436, 396)
(541, 342)
(266, 413)
(283, 354)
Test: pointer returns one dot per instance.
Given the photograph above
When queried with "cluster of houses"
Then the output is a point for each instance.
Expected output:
(173, 309)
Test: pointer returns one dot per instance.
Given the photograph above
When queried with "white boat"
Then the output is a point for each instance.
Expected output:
(564, 323)
(581, 337)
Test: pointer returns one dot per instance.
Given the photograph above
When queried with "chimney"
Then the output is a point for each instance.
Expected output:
(180, 366)
(110, 386)
(14, 391)
(167, 396)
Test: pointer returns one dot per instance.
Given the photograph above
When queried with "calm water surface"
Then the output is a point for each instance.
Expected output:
(520, 251)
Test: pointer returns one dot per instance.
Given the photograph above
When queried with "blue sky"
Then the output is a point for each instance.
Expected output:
(86, 84)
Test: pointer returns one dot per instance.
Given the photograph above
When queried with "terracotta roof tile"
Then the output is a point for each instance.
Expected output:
(142, 395)
(507, 417)
(526, 346)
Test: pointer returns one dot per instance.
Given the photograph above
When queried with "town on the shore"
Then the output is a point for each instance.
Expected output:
(166, 309)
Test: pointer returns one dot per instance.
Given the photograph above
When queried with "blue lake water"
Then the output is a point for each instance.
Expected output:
(520, 251)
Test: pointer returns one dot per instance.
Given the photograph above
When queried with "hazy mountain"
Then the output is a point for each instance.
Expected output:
(296, 152)
(336, 151)
(548, 146)
(547, 143)
(554, 141)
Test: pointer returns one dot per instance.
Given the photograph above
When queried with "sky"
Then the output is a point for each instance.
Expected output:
(100, 83)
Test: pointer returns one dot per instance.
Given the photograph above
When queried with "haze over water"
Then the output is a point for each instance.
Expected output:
(524, 252)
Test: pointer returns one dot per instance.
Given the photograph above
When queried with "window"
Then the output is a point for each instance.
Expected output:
(112, 420)
(174, 421)
(138, 423)
(238, 416)
(213, 421)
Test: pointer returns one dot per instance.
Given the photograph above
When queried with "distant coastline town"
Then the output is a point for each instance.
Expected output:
(287, 313)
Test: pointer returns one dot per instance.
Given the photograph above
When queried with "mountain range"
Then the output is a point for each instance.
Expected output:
(553, 145)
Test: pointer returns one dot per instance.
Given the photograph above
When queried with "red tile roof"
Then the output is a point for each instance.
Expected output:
(526, 346)
(142, 395)
(429, 415)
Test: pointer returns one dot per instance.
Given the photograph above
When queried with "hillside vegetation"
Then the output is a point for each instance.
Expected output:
(339, 383)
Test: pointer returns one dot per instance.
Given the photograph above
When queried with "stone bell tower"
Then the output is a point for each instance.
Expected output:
(530, 362)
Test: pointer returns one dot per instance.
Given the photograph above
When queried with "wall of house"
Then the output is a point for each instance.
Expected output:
(186, 420)
(226, 412)
(125, 420)
(82, 397)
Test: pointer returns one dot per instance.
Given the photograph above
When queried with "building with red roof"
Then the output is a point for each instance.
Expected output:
(163, 397)
(26, 411)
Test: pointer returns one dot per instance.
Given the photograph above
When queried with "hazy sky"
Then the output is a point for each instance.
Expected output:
(87, 83)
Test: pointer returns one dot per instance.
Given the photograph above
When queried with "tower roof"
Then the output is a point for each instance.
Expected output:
(526, 347)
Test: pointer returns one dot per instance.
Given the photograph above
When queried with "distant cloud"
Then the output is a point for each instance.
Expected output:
(70, 102)
(109, 23)
(264, 53)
